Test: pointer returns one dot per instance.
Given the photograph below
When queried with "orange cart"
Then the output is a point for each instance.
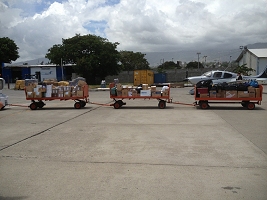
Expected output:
(80, 100)
(162, 97)
(203, 100)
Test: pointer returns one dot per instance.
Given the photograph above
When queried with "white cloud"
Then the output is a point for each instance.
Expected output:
(138, 25)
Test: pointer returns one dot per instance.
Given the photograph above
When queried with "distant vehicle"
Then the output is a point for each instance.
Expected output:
(226, 76)
(3, 97)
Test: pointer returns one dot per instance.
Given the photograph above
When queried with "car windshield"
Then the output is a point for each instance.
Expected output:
(208, 74)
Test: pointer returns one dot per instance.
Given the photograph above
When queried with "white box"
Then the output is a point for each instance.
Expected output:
(145, 93)
(48, 91)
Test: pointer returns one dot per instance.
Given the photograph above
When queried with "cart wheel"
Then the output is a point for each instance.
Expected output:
(117, 105)
(41, 104)
(204, 105)
(77, 105)
(33, 106)
(244, 104)
(162, 104)
(83, 103)
(250, 105)
(120, 102)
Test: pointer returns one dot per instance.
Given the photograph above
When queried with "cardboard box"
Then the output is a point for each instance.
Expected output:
(204, 95)
(251, 89)
(124, 92)
(223, 93)
(230, 94)
(29, 88)
(252, 94)
(242, 94)
(119, 87)
(41, 89)
(37, 95)
(134, 93)
(30, 94)
(145, 86)
(165, 93)
(145, 93)
(153, 88)
(213, 94)
(67, 94)
(156, 94)
(79, 93)
(119, 93)
(258, 92)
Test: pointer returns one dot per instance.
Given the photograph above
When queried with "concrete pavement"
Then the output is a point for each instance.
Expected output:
(136, 152)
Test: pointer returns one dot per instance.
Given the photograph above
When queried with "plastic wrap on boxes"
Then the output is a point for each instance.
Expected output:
(48, 91)
(74, 82)
(31, 82)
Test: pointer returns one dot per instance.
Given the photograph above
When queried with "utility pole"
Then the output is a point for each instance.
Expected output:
(198, 60)
(205, 60)
(62, 69)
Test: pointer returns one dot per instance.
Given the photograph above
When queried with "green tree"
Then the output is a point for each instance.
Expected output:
(243, 69)
(8, 50)
(94, 57)
(169, 65)
(194, 65)
(131, 61)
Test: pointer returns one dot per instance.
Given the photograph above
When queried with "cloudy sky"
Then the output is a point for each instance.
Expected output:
(138, 25)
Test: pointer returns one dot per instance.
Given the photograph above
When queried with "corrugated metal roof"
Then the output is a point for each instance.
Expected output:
(260, 53)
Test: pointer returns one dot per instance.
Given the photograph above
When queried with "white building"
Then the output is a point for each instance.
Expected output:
(254, 58)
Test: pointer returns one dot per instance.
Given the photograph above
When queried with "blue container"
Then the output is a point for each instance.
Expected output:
(160, 78)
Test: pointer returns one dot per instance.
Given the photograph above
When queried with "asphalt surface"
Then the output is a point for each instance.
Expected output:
(136, 152)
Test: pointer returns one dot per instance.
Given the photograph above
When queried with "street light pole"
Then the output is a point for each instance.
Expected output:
(205, 60)
(198, 60)
(62, 69)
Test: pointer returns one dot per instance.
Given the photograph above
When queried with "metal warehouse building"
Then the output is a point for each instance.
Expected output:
(48, 71)
(254, 58)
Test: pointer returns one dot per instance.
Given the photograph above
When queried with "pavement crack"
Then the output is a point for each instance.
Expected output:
(47, 129)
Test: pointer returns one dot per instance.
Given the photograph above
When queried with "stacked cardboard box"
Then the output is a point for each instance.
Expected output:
(144, 91)
(34, 90)
(250, 92)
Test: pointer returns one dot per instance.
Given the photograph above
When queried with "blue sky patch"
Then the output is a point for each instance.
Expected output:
(96, 26)
(111, 2)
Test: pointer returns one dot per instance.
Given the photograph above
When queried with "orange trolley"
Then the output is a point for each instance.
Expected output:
(80, 101)
(248, 102)
(162, 98)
